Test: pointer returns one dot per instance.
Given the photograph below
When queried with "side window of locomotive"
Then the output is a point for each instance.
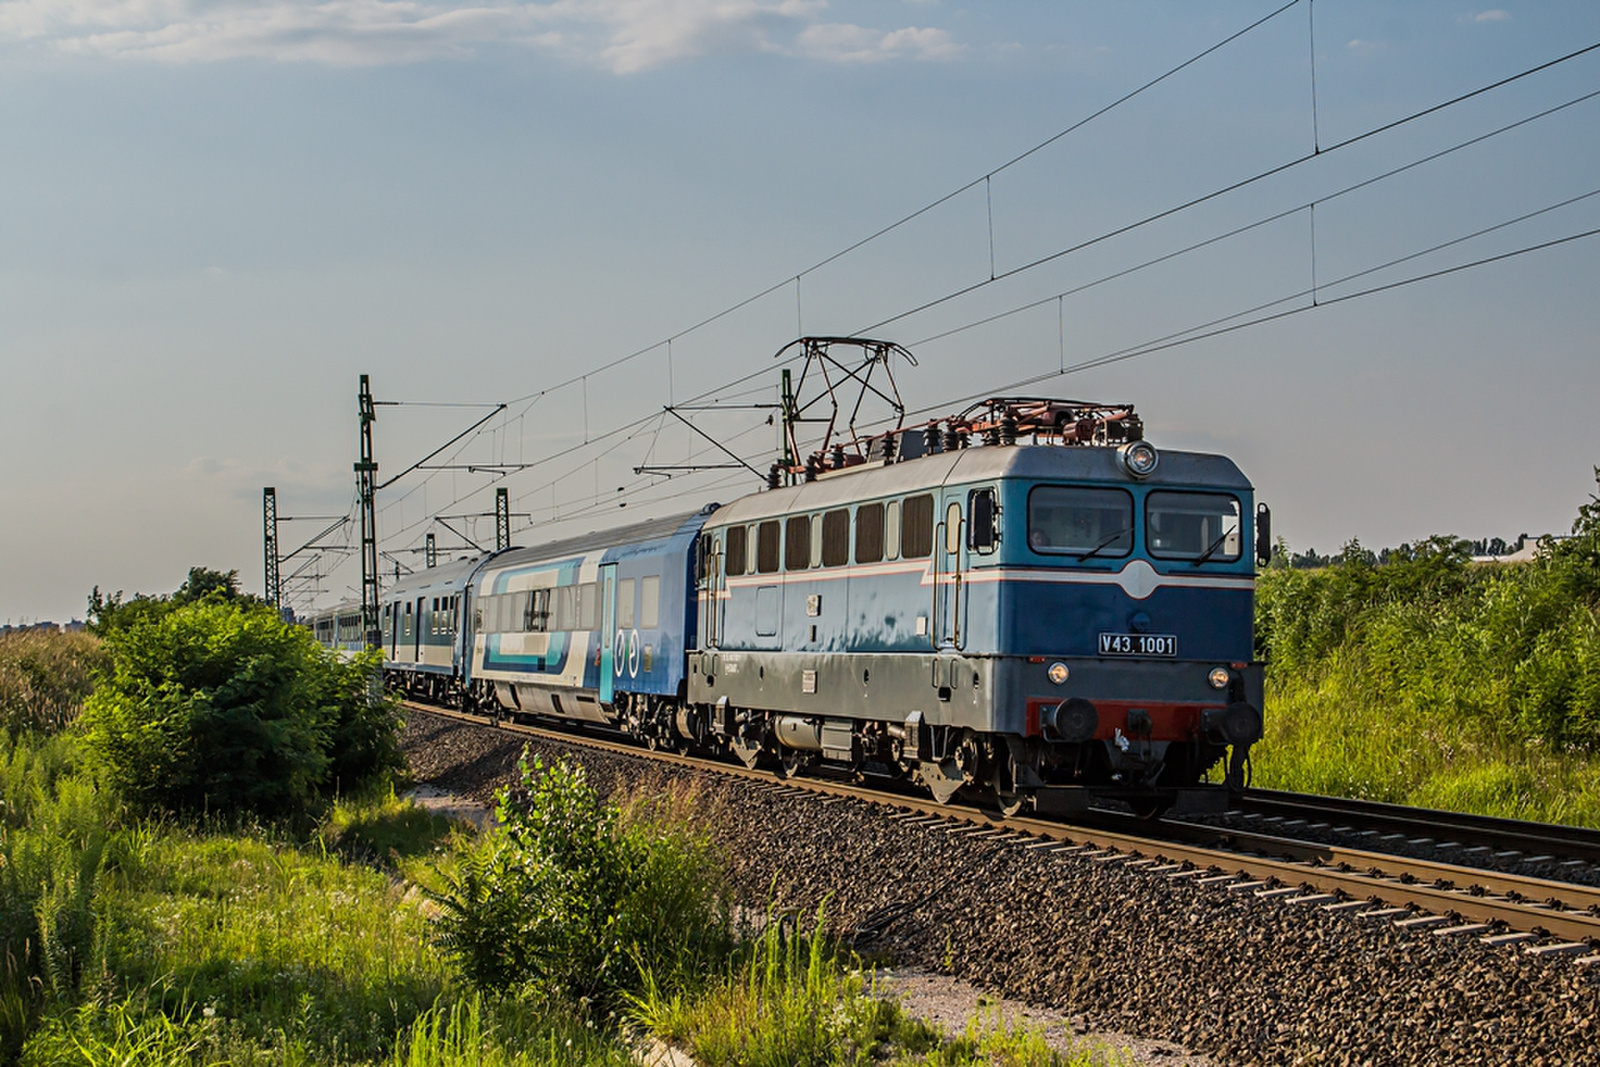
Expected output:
(797, 543)
(735, 561)
(650, 603)
(952, 527)
(1079, 521)
(891, 530)
(767, 547)
(836, 538)
(625, 612)
(816, 541)
(983, 532)
(916, 522)
(869, 533)
(1195, 526)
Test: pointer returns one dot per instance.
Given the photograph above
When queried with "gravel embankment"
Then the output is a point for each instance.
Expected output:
(1246, 981)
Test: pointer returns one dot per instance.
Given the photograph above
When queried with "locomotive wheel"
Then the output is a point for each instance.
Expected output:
(1151, 808)
(944, 779)
(1001, 802)
(790, 764)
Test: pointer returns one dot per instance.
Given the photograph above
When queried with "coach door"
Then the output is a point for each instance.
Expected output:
(611, 637)
(949, 577)
(416, 649)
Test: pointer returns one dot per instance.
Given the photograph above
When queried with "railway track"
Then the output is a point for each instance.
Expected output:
(1469, 836)
(1541, 916)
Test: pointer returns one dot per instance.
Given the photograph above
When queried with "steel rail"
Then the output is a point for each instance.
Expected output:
(1531, 838)
(1397, 882)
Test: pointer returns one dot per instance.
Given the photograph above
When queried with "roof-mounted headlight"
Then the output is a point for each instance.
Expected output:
(1139, 458)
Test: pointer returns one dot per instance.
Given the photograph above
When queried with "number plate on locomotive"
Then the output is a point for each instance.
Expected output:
(1138, 645)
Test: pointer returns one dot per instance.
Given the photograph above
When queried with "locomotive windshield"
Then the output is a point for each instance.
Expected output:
(1077, 521)
(1193, 526)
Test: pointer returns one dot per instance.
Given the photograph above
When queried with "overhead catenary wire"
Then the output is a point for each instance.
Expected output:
(1231, 187)
(532, 398)
(1277, 216)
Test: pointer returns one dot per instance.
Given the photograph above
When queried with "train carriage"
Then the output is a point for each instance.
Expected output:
(592, 628)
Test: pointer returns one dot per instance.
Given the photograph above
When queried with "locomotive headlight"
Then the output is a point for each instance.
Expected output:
(1139, 458)
(1219, 677)
(1058, 672)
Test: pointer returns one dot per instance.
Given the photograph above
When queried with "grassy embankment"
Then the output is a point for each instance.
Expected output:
(378, 935)
(1431, 681)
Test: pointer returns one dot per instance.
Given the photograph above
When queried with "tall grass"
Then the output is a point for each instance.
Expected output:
(799, 999)
(45, 676)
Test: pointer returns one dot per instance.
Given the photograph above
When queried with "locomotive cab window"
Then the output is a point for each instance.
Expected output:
(1078, 521)
(983, 532)
(1193, 526)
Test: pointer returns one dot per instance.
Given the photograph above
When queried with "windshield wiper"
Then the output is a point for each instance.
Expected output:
(1104, 541)
(1202, 557)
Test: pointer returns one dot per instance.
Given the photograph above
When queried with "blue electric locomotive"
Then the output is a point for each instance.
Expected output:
(1027, 604)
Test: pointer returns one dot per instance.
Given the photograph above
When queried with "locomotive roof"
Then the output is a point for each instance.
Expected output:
(981, 463)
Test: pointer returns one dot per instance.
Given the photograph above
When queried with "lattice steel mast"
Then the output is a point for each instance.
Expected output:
(366, 494)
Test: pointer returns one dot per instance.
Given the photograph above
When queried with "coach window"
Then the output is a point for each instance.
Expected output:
(891, 530)
(1192, 526)
(816, 541)
(797, 543)
(589, 605)
(836, 538)
(767, 547)
(734, 564)
(916, 527)
(650, 603)
(869, 533)
(1078, 521)
(625, 613)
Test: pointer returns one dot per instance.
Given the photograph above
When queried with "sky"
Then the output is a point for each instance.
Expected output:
(1257, 224)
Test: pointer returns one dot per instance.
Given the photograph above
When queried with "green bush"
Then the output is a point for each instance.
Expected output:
(568, 900)
(220, 705)
(1426, 679)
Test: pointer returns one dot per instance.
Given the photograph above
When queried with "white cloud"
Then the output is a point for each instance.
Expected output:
(1492, 15)
(624, 36)
(845, 42)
